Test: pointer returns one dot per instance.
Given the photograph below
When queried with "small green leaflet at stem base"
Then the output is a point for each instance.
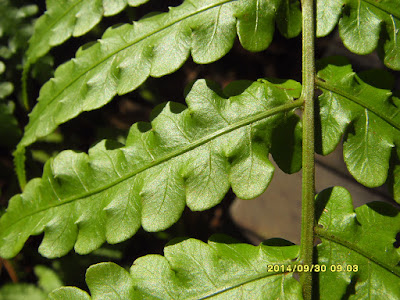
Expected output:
(154, 46)
(191, 269)
(364, 25)
(358, 248)
(368, 115)
(186, 156)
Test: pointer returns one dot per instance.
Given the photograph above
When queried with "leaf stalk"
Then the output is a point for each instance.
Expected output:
(24, 80)
(308, 181)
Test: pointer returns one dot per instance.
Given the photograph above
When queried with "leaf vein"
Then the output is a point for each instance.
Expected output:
(323, 234)
(187, 148)
(171, 23)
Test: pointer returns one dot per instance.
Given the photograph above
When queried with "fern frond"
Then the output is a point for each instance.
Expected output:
(191, 269)
(368, 114)
(63, 19)
(154, 46)
(186, 157)
(364, 25)
(357, 247)
(66, 18)
(357, 256)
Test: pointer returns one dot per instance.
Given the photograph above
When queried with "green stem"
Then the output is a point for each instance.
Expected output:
(19, 165)
(308, 184)
(24, 80)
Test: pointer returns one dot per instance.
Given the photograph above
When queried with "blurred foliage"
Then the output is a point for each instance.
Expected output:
(48, 280)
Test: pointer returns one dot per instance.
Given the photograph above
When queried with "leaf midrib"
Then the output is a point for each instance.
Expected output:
(341, 92)
(249, 280)
(324, 234)
(169, 24)
(187, 148)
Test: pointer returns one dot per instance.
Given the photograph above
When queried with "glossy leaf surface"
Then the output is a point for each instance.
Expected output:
(191, 269)
(364, 25)
(358, 248)
(155, 46)
(368, 114)
(185, 157)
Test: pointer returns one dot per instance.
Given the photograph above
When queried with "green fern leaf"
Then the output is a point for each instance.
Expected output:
(362, 23)
(370, 115)
(191, 269)
(365, 264)
(66, 18)
(186, 157)
(154, 46)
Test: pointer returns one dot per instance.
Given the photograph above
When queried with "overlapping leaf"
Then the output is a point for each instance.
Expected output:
(66, 18)
(191, 269)
(154, 46)
(363, 25)
(186, 157)
(358, 248)
(370, 114)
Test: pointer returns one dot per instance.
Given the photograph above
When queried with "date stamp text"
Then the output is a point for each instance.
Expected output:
(312, 268)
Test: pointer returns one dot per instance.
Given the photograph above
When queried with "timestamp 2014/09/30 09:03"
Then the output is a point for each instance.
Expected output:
(312, 268)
